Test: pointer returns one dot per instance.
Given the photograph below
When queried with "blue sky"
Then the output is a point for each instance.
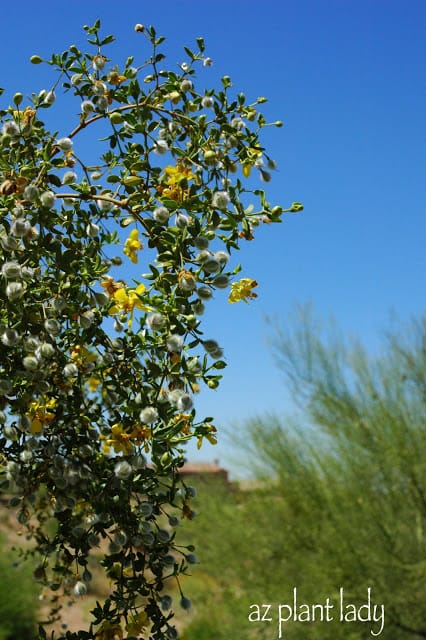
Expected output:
(347, 78)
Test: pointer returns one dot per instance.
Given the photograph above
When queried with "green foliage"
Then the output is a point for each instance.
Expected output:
(341, 500)
(94, 425)
(18, 598)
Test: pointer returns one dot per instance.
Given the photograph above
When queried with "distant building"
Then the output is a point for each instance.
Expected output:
(204, 471)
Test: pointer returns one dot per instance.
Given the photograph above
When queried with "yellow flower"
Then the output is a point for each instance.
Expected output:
(93, 383)
(173, 177)
(127, 300)
(209, 434)
(178, 173)
(242, 290)
(40, 414)
(133, 245)
(111, 286)
(137, 624)
(124, 441)
(108, 631)
(119, 440)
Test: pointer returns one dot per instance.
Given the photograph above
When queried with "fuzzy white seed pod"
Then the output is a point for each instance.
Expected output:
(31, 193)
(148, 415)
(10, 337)
(207, 102)
(221, 199)
(186, 85)
(161, 215)
(52, 326)
(11, 270)
(87, 107)
(222, 257)
(204, 292)
(10, 128)
(70, 370)
(5, 387)
(20, 227)
(50, 97)
(76, 79)
(69, 177)
(15, 290)
(92, 230)
(155, 321)
(175, 343)
(185, 402)
(65, 144)
(102, 103)
(221, 282)
(31, 363)
(27, 274)
(211, 265)
(161, 147)
(181, 220)
(123, 470)
(98, 62)
(47, 199)
(201, 242)
(80, 589)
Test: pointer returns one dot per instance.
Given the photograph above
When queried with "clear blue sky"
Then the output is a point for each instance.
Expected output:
(347, 77)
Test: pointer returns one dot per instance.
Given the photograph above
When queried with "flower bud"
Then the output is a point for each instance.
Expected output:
(17, 98)
(139, 28)
(20, 227)
(70, 370)
(115, 117)
(36, 59)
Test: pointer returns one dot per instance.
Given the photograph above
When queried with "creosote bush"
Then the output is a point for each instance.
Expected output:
(98, 373)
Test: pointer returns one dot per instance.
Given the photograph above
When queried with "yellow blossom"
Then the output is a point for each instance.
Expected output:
(127, 300)
(173, 177)
(137, 624)
(178, 173)
(108, 631)
(210, 434)
(93, 383)
(111, 286)
(133, 245)
(124, 441)
(242, 290)
(40, 414)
